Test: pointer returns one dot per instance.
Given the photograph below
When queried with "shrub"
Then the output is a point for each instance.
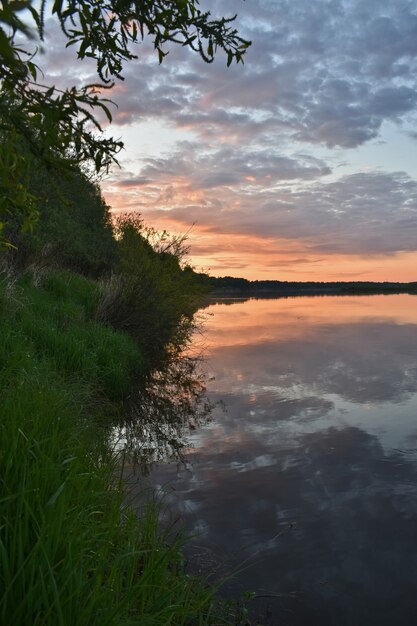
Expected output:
(150, 295)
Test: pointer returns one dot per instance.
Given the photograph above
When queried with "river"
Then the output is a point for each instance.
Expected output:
(303, 485)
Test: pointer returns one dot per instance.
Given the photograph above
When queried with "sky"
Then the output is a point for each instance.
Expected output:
(300, 164)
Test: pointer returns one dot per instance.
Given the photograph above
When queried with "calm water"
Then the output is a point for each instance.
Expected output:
(304, 484)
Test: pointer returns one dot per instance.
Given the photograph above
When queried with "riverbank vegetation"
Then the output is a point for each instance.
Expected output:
(87, 308)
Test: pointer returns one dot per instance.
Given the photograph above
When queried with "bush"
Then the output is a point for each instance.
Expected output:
(150, 295)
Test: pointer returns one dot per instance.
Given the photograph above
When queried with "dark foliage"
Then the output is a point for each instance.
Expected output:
(73, 228)
(61, 127)
(232, 285)
(149, 295)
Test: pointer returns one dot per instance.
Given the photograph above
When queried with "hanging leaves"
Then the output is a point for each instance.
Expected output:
(62, 127)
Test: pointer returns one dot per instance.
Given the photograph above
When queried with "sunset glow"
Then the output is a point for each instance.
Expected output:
(263, 321)
(298, 165)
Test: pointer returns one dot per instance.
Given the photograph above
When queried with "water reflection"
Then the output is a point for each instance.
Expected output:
(361, 363)
(170, 404)
(306, 486)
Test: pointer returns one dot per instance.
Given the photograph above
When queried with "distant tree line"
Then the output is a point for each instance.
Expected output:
(232, 285)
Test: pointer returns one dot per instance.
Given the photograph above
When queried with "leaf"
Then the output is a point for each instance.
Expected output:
(57, 6)
(32, 69)
(56, 495)
(69, 460)
(106, 110)
(6, 50)
(83, 47)
(98, 161)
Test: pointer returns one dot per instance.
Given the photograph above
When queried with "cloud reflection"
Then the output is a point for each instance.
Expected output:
(306, 485)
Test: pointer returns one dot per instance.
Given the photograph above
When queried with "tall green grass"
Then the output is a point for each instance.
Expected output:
(71, 552)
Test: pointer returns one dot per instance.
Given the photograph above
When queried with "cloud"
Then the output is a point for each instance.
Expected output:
(317, 73)
(321, 79)
(366, 213)
(208, 168)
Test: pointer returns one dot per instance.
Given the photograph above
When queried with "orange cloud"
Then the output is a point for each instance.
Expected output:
(223, 249)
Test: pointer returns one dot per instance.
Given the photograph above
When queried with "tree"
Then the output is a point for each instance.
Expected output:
(60, 127)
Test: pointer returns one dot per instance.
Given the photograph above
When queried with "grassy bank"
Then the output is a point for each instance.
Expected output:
(70, 552)
(87, 307)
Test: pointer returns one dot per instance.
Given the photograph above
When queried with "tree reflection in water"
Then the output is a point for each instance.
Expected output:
(169, 405)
